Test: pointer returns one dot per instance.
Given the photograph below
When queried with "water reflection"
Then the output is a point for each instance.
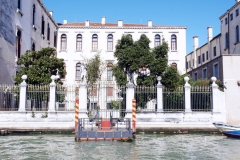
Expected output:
(187, 146)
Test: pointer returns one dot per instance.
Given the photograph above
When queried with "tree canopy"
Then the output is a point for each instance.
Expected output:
(39, 66)
(95, 68)
(133, 56)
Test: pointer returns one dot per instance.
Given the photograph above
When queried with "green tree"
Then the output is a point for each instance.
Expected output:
(39, 66)
(133, 56)
(95, 68)
(171, 77)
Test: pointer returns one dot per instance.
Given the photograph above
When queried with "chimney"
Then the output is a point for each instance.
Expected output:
(195, 42)
(120, 23)
(103, 20)
(51, 13)
(87, 23)
(210, 33)
(150, 23)
(64, 21)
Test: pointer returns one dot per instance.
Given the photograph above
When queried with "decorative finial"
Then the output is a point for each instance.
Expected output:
(24, 77)
(214, 80)
(53, 77)
(186, 79)
(159, 78)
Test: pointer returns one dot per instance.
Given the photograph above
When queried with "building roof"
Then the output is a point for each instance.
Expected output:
(235, 5)
(113, 25)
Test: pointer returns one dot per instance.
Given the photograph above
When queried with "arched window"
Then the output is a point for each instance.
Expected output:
(43, 24)
(237, 34)
(19, 43)
(94, 42)
(78, 71)
(174, 64)
(48, 32)
(110, 42)
(79, 42)
(109, 72)
(173, 42)
(157, 40)
(226, 40)
(33, 46)
(63, 42)
(33, 15)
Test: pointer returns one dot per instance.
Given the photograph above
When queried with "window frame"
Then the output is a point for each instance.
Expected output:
(79, 42)
(199, 59)
(195, 76)
(43, 26)
(48, 32)
(214, 51)
(94, 42)
(78, 71)
(173, 42)
(110, 43)
(226, 40)
(214, 64)
(19, 4)
(157, 40)
(237, 12)
(204, 69)
(203, 57)
(109, 72)
(237, 34)
(63, 41)
(231, 16)
(226, 21)
(34, 15)
(18, 43)
(206, 55)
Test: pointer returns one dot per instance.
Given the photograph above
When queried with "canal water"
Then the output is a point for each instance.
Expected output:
(146, 146)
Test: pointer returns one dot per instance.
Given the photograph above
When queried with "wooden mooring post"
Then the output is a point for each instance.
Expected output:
(76, 115)
(134, 118)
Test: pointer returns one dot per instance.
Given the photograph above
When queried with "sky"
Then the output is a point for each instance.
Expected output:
(196, 15)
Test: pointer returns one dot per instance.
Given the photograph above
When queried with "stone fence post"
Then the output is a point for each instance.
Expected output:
(214, 94)
(187, 95)
(23, 96)
(129, 98)
(83, 100)
(159, 95)
(52, 94)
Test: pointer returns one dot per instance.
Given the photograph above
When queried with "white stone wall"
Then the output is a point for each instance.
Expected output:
(71, 56)
(13, 20)
(231, 79)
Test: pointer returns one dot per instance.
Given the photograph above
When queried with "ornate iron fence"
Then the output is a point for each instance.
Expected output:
(66, 96)
(174, 99)
(9, 97)
(146, 98)
(38, 97)
(201, 99)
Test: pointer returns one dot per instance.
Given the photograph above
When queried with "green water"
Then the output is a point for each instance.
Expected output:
(146, 146)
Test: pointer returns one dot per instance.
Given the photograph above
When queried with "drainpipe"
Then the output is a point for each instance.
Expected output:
(228, 34)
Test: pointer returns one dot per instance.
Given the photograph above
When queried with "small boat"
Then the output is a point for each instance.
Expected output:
(228, 129)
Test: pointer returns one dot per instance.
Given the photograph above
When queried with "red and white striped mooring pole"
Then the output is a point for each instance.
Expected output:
(134, 118)
(76, 115)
